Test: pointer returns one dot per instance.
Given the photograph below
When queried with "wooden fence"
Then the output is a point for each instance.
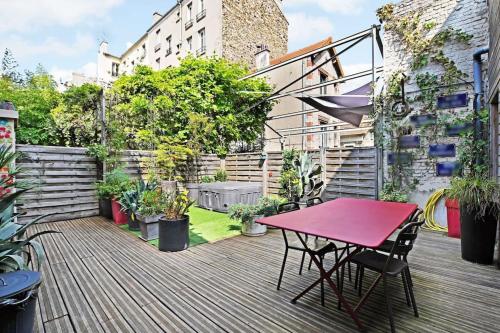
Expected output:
(64, 183)
(64, 178)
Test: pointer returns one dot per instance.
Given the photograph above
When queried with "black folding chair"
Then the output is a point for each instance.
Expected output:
(391, 265)
(318, 246)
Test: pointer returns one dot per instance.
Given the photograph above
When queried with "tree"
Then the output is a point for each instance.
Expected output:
(76, 115)
(163, 103)
(9, 67)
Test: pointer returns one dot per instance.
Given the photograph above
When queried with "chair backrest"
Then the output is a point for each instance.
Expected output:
(288, 207)
(406, 237)
(314, 201)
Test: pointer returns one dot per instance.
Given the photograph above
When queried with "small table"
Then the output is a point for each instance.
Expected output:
(363, 223)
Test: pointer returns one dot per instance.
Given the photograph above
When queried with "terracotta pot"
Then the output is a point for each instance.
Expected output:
(119, 217)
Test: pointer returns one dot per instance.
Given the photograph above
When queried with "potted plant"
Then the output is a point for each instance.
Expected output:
(478, 198)
(247, 214)
(104, 196)
(18, 284)
(309, 174)
(118, 182)
(130, 201)
(174, 225)
(149, 213)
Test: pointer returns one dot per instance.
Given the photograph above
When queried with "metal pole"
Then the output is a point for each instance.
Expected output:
(374, 37)
(340, 42)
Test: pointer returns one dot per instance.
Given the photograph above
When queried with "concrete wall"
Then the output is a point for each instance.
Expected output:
(471, 16)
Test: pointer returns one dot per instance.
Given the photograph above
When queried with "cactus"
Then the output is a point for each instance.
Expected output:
(309, 173)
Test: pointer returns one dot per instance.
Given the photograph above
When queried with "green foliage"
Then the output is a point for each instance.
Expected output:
(76, 115)
(207, 179)
(392, 192)
(309, 174)
(479, 195)
(176, 205)
(114, 184)
(220, 175)
(267, 206)
(16, 250)
(130, 199)
(98, 151)
(150, 203)
(289, 180)
(202, 99)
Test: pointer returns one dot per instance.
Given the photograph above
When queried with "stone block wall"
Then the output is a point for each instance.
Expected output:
(248, 23)
(471, 16)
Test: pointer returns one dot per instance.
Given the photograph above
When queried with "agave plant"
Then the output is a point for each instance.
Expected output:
(309, 173)
(15, 248)
(130, 200)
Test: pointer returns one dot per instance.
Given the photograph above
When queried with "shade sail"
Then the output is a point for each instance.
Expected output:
(349, 107)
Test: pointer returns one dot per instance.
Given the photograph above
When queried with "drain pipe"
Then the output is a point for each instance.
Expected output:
(478, 95)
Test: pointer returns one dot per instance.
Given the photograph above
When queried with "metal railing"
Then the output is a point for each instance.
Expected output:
(201, 14)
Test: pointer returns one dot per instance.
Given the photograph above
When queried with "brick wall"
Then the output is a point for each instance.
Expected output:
(248, 23)
(471, 16)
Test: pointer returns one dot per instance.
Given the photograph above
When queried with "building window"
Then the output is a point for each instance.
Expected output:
(169, 45)
(324, 136)
(202, 40)
(114, 69)
(190, 44)
(202, 11)
(189, 15)
(158, 63)
(322, 79)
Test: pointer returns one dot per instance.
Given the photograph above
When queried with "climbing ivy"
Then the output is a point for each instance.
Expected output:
(424, 48)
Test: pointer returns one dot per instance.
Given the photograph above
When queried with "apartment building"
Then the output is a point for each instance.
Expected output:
(226, 28)
(300, 126)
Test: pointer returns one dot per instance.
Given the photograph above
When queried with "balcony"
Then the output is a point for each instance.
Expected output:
(201, 15)
(202, 50)
(189, 24)
(168, 52)
(157, 47)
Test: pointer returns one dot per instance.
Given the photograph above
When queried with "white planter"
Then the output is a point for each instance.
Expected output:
(253, 229)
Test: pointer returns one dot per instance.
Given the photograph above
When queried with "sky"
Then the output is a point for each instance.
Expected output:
(64, 35)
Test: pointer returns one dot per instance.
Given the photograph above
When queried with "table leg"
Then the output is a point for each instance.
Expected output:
(326, 275)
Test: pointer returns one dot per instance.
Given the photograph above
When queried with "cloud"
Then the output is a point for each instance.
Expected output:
(64, 74)
(54, 47)
(28, 15)
(305, 28)
(350, 7)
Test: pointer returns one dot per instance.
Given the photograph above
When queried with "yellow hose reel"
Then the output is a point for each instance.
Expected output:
(430, 208)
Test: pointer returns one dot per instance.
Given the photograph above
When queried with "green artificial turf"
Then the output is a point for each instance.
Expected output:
(205, 226)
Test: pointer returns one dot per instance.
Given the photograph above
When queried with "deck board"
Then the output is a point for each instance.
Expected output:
(98, 278)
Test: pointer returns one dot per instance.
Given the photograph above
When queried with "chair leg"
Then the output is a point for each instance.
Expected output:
(349, 265)
(341, 286)
(405, 285)
(412, 296)
(356, 278)
(282, 268)
(302, 262)
(310, 264)
(360, 282)
(389, 305)
(322, 283)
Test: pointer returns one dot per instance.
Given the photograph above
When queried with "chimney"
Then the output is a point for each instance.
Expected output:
(103, 48)
(156, 17)
(262, 57)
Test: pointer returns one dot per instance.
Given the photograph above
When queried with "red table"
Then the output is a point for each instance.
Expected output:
(360, 222)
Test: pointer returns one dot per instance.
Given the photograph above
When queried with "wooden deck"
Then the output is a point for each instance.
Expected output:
(99, 278)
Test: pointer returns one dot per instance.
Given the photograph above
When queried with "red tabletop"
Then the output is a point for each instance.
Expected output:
(363, 222)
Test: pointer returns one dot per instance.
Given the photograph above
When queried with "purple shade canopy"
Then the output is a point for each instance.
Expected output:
(349, 107)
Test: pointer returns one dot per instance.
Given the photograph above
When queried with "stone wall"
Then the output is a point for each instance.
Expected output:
(248, 23)
(471, 16)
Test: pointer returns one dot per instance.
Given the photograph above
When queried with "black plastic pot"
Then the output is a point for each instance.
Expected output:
(477, 236)
(105, 208)
(18, 294)
(133, 224)
(173, 234)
